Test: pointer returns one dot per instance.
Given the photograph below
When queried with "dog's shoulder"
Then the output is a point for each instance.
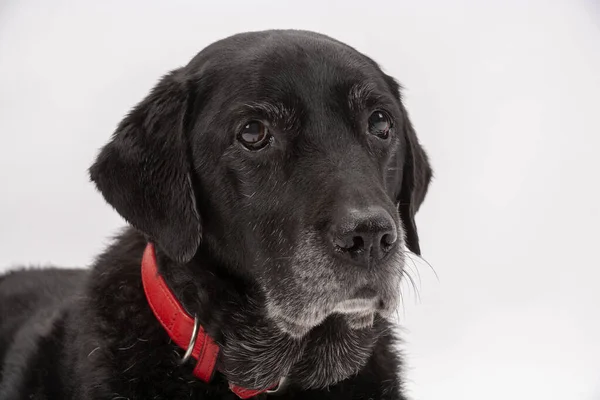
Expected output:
(27, 289)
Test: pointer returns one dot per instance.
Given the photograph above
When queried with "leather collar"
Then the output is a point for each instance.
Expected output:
(180, 326)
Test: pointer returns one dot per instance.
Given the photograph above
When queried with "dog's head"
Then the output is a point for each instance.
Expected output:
(290, 158)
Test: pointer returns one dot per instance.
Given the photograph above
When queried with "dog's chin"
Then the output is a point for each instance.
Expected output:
(358, 313)
(298, 330)
(360, 321)
(293, 328)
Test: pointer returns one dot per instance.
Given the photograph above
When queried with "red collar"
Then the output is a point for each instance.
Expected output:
(180, 325)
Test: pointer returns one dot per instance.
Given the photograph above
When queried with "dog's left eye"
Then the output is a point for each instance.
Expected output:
(254, 135)
(380, 124)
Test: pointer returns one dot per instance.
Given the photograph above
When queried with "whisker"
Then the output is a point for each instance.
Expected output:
(414, 286)
(417, 272)
(403, 305)
(411, 255)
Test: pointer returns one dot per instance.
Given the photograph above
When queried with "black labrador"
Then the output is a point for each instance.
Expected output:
(276, 177)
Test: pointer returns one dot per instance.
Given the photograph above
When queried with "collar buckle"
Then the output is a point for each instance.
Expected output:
(280, 389)
(192, 343)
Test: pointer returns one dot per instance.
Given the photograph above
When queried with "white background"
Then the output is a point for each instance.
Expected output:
(505, 97)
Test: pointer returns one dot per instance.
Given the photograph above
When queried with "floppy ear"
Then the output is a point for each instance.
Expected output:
(416, 175)
(144, 171)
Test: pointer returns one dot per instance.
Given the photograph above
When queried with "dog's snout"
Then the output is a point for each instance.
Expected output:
(364, 235)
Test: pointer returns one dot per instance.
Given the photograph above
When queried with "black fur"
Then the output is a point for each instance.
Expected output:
(242, 237)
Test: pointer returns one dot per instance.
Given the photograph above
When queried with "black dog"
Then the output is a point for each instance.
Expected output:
(277, 177)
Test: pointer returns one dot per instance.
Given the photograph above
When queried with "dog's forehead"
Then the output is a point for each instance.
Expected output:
(275, 65)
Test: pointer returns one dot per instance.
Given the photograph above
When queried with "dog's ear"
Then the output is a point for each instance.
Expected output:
(144, 171)
(416, 175)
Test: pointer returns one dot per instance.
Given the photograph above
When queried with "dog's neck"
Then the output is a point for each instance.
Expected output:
(254, 352)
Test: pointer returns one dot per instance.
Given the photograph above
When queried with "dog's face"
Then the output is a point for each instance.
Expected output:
(289, 157)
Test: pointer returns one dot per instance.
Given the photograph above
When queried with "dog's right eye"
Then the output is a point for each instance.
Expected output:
(254, 135)
(380, 124)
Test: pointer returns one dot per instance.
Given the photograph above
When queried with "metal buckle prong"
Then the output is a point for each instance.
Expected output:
(190, 348)
(280, 387)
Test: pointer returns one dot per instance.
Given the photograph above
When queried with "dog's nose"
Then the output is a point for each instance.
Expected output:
(364, 234)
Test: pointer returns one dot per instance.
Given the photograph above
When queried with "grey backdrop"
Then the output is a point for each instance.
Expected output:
(504, 95)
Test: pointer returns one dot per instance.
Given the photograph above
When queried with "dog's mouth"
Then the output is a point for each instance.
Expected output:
(293, 328)
(314, 286)
(359, 310)
(364, 300)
